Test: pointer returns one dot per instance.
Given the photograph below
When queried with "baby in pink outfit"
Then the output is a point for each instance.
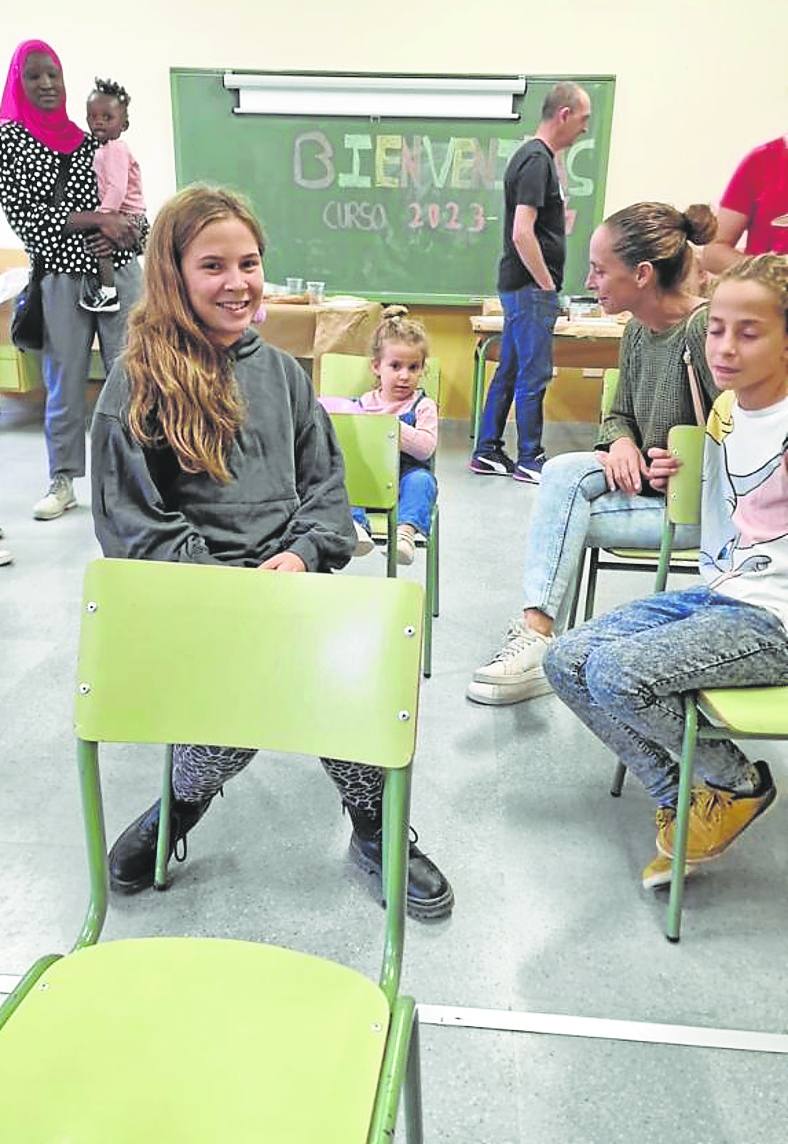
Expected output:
(119, 184)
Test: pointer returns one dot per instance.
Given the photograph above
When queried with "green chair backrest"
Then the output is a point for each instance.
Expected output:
(370, 448)
(609, 387)
(683, 494)
(350, 375)
(174, 653)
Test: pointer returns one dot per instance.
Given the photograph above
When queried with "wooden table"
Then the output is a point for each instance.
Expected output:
(592, 344)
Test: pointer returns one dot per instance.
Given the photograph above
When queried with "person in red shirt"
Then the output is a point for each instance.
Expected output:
(755, 201)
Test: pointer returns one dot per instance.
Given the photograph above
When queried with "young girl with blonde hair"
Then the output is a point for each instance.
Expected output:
(398, 356)
(209, 447)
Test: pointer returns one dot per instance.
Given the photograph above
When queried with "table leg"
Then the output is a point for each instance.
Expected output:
(477, 397)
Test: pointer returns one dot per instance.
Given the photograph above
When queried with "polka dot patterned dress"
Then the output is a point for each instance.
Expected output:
(28, 172)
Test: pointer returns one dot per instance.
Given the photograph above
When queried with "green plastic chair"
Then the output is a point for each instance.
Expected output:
(626, 559)
(727, 713)
(206, 1041)
(370, 450)
(682, 506)
(350, 375)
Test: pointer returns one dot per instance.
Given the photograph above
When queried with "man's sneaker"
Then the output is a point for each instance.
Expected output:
(659, 872)
(529, 471)
(97, 298)
(717, 817)
(406, 544)
(59, 498)
(5, 557)
(364, 542)
(429, 895)
(515, 673)
(496, 464)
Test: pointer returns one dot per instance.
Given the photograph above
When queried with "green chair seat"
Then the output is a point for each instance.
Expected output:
(254, 1043)
(761, 711)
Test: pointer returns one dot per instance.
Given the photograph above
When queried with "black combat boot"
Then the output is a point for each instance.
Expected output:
(132, 860)
(429, 895)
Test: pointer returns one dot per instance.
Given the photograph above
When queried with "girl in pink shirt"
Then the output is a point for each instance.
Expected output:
(119, 184)
(398, 353)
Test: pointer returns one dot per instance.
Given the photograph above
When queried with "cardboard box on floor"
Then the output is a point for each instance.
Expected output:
(19, 372)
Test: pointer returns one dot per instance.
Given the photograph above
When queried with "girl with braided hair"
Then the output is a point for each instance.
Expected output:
(119, 184)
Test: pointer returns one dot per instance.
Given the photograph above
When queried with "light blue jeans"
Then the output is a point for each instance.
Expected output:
(624, 673)
(574, 510)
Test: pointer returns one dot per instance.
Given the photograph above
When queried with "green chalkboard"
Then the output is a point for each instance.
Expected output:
(394, 209)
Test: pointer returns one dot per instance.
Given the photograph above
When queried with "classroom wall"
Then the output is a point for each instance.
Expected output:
(697, 84)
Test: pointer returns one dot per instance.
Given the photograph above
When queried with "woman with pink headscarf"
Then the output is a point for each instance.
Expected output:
(49, 195)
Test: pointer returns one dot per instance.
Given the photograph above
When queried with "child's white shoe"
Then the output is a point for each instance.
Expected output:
(406, 544)
(364, 542)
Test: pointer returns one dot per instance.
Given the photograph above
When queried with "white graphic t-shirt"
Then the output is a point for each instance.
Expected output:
(744, 516)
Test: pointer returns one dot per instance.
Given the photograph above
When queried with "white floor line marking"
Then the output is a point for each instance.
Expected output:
(561, 1025)
(602, 1027)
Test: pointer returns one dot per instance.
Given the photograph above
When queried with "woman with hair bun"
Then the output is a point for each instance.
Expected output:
(640, 258)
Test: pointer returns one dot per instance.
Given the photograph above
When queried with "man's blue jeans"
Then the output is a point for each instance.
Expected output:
(525, 368)
(624, 674)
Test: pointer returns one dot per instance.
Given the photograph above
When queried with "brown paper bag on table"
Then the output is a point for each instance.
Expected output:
(344, 331)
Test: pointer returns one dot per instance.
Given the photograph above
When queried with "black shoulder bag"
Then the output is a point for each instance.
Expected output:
(27, 324)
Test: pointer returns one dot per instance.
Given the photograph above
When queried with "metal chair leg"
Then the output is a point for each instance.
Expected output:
(413, 1110)
(391, 546)
(163, 840)
(617, 784)
(571, 619)
(435, 538)
(426, 662)
(593, 563)
(673, 927)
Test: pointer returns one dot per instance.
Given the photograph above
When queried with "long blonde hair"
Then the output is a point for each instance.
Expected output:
(183, 391)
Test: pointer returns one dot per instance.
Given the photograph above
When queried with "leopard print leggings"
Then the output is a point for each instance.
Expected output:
(198, 772)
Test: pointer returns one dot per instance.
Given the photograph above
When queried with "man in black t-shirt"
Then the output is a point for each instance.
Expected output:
(530, 276)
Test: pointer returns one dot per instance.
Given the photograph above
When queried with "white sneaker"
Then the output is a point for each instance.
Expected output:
(59, 498)
(515, 673)
(364, 542)
(406, 544)
(5, 557)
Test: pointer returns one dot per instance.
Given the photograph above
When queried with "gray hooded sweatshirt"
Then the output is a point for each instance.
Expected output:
(286, 491)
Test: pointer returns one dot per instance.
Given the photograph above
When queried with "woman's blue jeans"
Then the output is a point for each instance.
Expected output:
(575, 510)
(624, 674)
(525, 368)
(418, 491)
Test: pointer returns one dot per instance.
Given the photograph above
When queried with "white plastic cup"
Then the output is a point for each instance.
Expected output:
(295, 285)
(316, 292)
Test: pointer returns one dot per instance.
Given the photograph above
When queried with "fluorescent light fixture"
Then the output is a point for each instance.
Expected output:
(376, 96)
